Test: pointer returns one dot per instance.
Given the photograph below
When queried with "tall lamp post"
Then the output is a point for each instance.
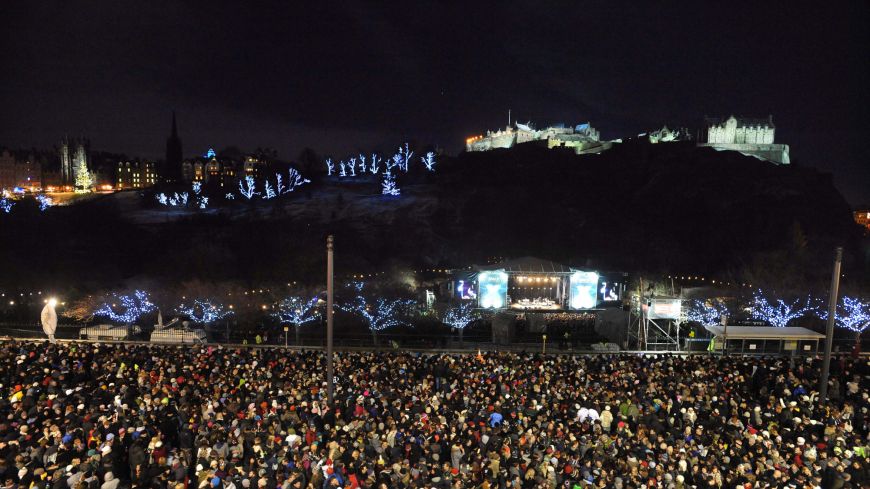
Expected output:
(329, 300)
(829, 334)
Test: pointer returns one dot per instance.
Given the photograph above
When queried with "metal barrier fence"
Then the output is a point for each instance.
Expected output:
(416, 341)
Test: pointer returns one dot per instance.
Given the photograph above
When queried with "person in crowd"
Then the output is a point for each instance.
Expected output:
(118, 416)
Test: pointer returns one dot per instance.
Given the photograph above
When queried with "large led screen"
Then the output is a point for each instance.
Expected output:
(492, 289)
(584, 290)
(609, 291)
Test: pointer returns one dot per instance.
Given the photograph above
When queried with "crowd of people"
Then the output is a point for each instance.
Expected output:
(113, 416)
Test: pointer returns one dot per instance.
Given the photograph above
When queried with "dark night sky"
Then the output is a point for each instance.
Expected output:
(348, 76)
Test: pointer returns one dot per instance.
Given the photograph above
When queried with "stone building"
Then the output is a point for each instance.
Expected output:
(582, 138)
(862, 217)
(136, 174)
(20, 170)
(752, 137)
(667, 135)
(211, 169)
(7, 170)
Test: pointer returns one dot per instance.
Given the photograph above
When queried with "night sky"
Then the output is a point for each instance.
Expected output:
(352, 75)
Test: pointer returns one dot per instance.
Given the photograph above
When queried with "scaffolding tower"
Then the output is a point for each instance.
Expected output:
(654, 322)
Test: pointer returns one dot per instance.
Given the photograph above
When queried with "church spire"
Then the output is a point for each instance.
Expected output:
(171, 170)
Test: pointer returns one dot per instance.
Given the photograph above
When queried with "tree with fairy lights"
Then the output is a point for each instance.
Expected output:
(707, 313)
(44, 202)
(126, 309)
(84, 181)
(405, 155)
(379, 314)
(779, 313)
(388, 185)
(852, 313)
(6, 205)
(294, 180)
(247, 187)
(459, 317)
(429, 161)
(204, 311)
(269, 191)
(296, 311)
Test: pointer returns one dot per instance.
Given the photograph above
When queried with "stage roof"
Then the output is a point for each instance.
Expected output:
(764, 333)
(529, 264)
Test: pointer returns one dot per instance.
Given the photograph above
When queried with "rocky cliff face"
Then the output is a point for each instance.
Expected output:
(636, 207)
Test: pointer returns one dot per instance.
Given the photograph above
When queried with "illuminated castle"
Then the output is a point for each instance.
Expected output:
(582, 138)
(752, 137)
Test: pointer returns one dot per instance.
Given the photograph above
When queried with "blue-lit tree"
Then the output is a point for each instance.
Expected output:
(247, 187)
(182, 198)
(294, 180)
(362, 164)
(351, 165)
(459, 317)
(388, 185)
(379, 314)
(230, 196)
(405, 153)
(203, 202)
(204, 311)
(330, 167)
(429, 161)
(196, 187)
(852, 314)
(6, 205)
(394, 162)
(374, 167)
(269, 191)
(780, 313)
(44, 202)
(297, 311)
(126, 309)
(342, 173)
(707, 313)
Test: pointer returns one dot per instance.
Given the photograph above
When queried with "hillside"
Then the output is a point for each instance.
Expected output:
(637, 207)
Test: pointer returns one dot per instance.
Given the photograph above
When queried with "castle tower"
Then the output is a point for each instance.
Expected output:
(171, 170)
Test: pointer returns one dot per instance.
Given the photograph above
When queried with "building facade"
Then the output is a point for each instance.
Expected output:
(582, 138)
(212, 170)
(862, 217)
(752, 137)
(7, 170)
(21, 171)
(136, 174)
